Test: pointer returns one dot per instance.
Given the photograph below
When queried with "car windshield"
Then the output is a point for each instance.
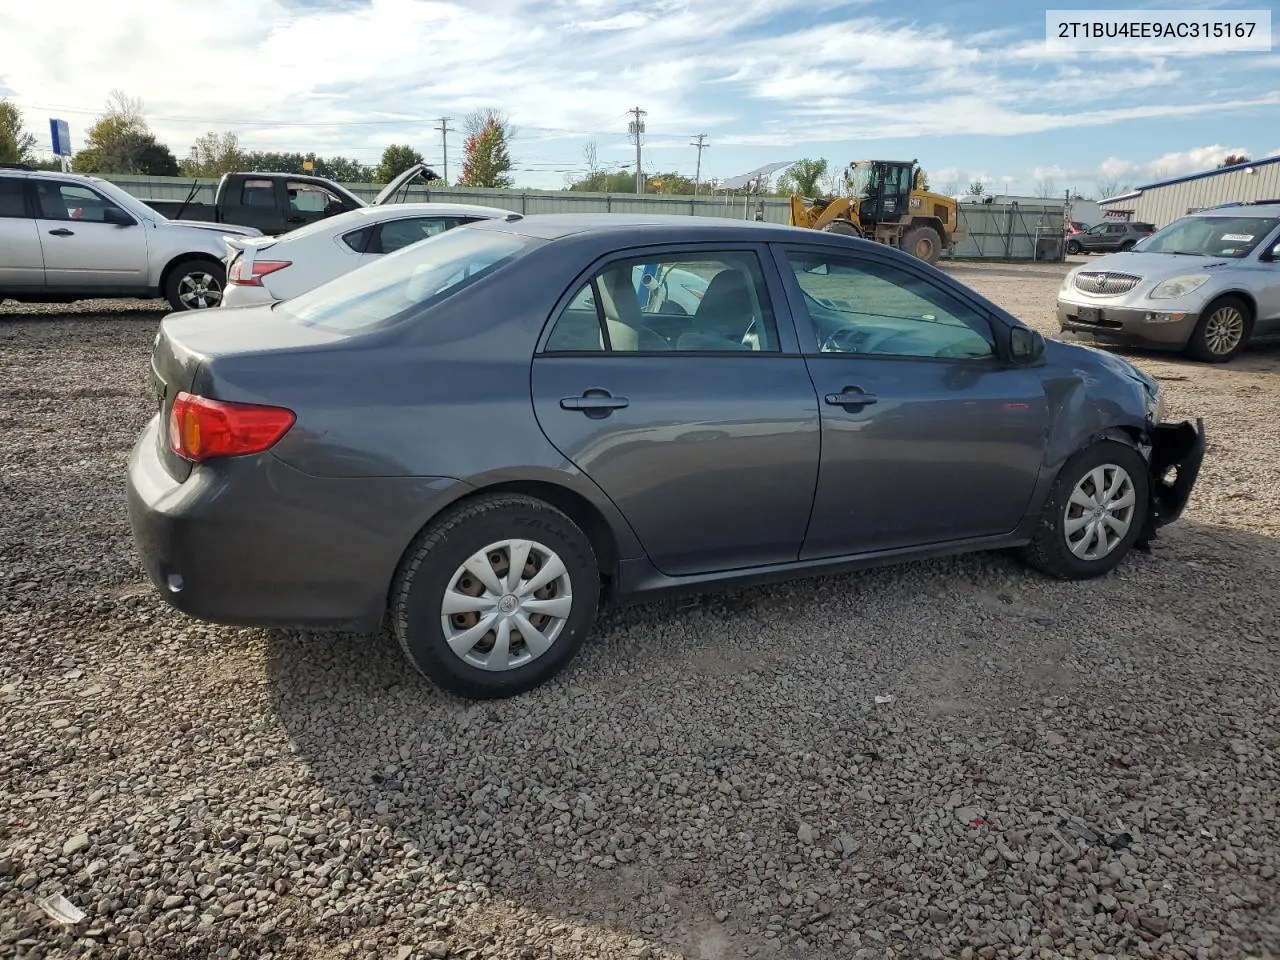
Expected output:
(1219, 236)
(126, 200)
(407, 281)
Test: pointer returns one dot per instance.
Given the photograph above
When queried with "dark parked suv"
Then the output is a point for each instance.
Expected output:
(1109, 237)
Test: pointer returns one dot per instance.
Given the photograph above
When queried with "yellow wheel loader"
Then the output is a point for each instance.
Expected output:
(883, 205)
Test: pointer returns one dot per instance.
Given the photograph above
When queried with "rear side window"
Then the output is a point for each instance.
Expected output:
(11, 202)
(403, 283)
(357, 239)
(258, 193)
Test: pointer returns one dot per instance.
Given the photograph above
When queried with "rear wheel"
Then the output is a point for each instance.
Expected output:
(1127, 245)
(1222, 331)
(1094, 513)
(842, 227)
(923, 243)
(195, 285)
(495, 598)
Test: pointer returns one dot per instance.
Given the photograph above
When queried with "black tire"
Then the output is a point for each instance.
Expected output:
(843, 227)
(1073, 247)
(923, 243)
(1049, 551)
(429, 568)
(207, 281)
(1127, 246)
(1205, 343)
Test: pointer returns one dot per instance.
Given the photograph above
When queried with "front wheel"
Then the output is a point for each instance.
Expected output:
(843, 227)
(1094, 514)
(923, 243)
(495, 597)
(1073, 247)
(195, 285)
(1222, 331)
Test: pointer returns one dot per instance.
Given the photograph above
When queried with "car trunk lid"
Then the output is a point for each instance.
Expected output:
(188, 347)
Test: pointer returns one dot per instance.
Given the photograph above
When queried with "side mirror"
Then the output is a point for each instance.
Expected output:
(117, 216)
(1274, 254)
(1026, 345)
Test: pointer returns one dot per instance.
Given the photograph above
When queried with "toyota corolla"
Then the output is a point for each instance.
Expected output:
(481, 437)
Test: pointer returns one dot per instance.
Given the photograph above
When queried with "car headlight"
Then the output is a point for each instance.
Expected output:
(1179, 286)
(1155, 404)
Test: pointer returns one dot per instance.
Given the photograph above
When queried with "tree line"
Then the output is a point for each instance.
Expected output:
(120, 141)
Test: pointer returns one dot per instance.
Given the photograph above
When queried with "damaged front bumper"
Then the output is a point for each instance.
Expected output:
(1177, 451)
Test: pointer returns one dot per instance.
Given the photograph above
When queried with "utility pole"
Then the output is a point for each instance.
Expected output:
(697, 176)
(635, 128)
(445, 130)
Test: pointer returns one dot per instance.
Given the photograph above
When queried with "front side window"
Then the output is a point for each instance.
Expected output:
(876, 309)
(70, 201)
(706, 303)
(308, 197)
(392, 287)
(397, 234)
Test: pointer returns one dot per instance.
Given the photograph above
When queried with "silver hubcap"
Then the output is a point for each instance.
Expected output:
(506, 605)
(1224, 330)
(1100, 512)
(198, 291)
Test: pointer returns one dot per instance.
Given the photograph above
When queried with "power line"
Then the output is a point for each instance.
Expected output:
(701, 145)
(636, 128)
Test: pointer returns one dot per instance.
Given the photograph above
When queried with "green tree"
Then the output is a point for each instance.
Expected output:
(672, 184)
(976, 189)
(120, 141)
(396, 159)
(486, 153)
(214, 154)
(602, 182)
(802, 177)
(16, 145)
(345, 170)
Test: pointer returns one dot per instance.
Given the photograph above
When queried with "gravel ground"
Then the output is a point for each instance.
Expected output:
(1063, 771)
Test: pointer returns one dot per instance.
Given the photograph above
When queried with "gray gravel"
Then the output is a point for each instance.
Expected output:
(1063, 771)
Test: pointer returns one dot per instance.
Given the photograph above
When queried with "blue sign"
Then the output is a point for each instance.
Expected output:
(61, 137)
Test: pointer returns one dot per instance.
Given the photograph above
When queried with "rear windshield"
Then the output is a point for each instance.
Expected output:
(405, 282)
(1220, 236)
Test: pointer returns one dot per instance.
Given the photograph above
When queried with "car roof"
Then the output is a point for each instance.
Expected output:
(554, 226)
(1264, 210)
(442, 209)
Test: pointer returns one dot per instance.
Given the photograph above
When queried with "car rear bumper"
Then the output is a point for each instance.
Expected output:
(1156, 329)
(253, 542)
(241, 295)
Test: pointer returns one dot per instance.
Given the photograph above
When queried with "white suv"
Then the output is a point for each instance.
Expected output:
(67, 237)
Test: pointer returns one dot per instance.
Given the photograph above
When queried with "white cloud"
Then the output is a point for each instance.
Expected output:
(351, 77)
(1191, 161)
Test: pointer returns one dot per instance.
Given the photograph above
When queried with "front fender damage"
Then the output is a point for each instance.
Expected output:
(1177, 451)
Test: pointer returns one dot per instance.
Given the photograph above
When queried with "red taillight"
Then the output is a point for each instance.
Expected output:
(200, 429)
(259, 270)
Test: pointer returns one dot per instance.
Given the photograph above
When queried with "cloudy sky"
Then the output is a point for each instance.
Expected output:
(967, 87)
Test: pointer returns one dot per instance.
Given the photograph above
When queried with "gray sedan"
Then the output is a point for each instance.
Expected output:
(483, 436)
(1206, 284)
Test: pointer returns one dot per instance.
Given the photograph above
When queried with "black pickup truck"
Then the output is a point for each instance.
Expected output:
(276, 203)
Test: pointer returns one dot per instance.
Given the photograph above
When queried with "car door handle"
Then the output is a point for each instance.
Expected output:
(598, 404)
(62, 232)
(851, 397)
(293, 219)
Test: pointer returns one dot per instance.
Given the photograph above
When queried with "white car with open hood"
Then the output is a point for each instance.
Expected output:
(270, 269)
